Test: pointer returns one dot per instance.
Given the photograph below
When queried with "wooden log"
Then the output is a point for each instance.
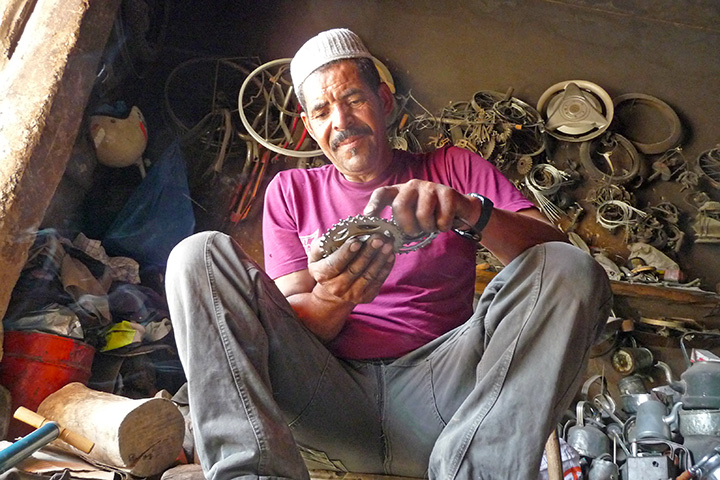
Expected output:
(13, 16)
(142, 436)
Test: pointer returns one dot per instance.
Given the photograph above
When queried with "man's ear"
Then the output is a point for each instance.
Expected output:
(306, 122)
(387, 98)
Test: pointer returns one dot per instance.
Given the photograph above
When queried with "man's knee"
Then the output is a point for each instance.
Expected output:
(209, 260)
(576, 270)
(188, 255)
(579, 282)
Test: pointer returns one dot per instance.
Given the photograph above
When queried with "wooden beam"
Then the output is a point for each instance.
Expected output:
(678, 295)
(626, 289)
(45, 85)
(14, 15)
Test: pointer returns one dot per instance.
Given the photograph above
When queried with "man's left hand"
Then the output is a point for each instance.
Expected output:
(422, 206)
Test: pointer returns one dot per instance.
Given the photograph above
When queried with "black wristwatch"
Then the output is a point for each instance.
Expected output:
(475, 232)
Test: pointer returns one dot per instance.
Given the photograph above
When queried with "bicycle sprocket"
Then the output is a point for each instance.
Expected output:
(364, 226)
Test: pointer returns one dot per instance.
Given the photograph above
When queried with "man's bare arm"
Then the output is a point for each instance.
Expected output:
(508, 234)
(419, 205)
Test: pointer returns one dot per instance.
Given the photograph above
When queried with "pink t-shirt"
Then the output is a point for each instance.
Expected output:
(429, 291)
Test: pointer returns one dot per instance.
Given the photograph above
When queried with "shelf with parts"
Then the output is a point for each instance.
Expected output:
(636, 301)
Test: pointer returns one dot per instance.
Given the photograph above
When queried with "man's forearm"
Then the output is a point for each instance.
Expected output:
(508, 234)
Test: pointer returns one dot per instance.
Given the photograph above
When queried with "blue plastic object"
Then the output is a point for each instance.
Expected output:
(156, 216)
(27, 445)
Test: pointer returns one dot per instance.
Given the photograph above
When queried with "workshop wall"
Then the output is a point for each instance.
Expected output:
(445, 52)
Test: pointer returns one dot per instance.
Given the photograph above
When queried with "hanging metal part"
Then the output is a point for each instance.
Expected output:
(708, 162)
(586, 436)
(210, 134)
(616, 213)
(640, 117)
(605, 403)
(361, 226)
(688, 179)
(397, 140)
(576, 110)
(660, 227)
(213, 82)
(708, 468)
(524, 165)
(648, 468)
(707, 223)
(485, 99)
(527, 137)
(500, 127)
(276, 90)
(544, 181)
(609, 192)
(628, 360)
(668, 164)
(246, 194)
(612, 158)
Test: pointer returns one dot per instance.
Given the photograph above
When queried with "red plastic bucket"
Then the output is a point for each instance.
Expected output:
(36, 364)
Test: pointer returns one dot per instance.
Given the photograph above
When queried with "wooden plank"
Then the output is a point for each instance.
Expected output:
(625, 289)
(691, 297)
(46, 84)
(634, 300)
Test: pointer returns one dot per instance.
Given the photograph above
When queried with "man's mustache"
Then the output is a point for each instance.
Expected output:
(343, 135)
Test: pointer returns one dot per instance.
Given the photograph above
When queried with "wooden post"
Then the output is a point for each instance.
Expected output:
(13, 17)
(47, 69)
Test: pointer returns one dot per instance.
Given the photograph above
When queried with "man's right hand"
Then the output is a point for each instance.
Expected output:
(353, 273)
(324, 294)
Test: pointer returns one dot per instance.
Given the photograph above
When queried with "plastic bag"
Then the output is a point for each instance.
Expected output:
(156, 216)
(54, 318)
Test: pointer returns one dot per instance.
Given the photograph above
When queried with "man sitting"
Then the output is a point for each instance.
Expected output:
(366, 360)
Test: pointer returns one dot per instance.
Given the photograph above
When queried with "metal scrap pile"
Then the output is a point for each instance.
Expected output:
(652, 425)
(579, 135)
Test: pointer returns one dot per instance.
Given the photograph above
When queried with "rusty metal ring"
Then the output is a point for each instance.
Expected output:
(624, 104)
(637, 167)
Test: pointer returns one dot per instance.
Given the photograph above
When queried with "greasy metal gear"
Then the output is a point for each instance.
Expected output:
(364, 226)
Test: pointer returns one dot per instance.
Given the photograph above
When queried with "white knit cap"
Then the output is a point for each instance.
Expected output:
(325, 47)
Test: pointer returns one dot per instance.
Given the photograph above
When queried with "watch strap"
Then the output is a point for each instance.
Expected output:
(475, 232)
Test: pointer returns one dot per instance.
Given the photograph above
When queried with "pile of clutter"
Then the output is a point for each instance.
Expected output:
(74, 289)
(669, 431)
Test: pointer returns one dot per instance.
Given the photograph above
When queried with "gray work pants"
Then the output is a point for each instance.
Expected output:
(477, 403)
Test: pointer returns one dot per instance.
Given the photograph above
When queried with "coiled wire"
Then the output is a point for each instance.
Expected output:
(612, 214)
(543, 181)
